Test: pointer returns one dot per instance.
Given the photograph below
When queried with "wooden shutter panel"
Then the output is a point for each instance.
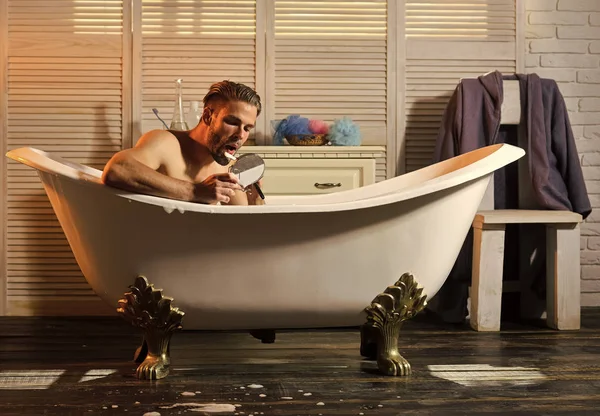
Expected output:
(64, 96)
(201, 42)
(446, 41)
(330, 61)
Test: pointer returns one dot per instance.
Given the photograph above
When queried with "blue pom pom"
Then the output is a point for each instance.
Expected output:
(344, 132)
(278, 135)
(290, 125)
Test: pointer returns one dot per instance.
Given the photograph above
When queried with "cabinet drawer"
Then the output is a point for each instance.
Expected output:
(316, 176)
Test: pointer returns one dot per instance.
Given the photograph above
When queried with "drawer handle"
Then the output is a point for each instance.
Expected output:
(327, 185)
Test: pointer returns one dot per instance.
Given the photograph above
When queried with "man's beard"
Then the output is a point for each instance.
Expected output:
(217, 149)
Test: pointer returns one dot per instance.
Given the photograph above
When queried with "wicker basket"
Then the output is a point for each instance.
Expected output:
(307, 139)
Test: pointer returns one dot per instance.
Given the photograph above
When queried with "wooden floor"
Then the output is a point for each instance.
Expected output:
(76, 366)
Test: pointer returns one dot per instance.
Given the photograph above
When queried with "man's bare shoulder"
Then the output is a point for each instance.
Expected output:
(158, 139)
(161, 144)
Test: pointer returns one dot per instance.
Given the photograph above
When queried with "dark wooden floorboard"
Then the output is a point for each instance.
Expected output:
(82, 366)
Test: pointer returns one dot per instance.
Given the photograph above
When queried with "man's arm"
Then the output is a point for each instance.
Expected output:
(135, 169)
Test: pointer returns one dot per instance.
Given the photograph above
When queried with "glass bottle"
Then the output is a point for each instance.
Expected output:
(178, 122)
(193, 115)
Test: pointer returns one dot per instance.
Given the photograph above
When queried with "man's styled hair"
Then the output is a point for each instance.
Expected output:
(232, 91)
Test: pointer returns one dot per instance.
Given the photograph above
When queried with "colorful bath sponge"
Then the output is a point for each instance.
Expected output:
(291, 125)
(318, 127)
(344, 132)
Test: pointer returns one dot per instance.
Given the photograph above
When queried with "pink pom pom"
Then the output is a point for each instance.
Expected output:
(318, 127)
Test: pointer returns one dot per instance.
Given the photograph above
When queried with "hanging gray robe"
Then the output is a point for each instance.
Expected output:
(472, 120)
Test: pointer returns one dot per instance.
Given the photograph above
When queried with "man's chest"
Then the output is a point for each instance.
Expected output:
(190, 172)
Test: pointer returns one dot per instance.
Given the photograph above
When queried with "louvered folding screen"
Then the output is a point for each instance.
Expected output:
(64, 96)
(448, 40)
(330, 61)
(201, 42)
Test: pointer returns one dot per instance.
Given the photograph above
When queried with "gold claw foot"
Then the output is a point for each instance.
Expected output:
(385, 315)
(152, 368)
(394, 365)
(146, 308)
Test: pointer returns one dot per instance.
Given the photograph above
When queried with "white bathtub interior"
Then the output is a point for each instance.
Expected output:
(412, 181)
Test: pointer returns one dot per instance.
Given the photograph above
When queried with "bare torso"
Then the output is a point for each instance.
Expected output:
(187, 160)
(183, 158)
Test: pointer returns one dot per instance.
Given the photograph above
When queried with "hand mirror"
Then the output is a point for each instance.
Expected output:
(249, 169)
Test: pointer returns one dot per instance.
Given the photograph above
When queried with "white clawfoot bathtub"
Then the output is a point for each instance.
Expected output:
(296, 262)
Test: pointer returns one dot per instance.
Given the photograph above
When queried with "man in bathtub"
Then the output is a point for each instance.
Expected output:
(191, 165)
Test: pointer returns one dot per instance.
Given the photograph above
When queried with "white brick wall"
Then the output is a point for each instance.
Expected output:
(563, 43)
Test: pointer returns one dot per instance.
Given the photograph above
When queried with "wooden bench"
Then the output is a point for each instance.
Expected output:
(563, 300)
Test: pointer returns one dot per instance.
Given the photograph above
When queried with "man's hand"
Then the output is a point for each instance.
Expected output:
(253, 195)
(216, 188)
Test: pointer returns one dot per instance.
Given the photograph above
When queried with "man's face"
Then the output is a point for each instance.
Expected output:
(229, 129)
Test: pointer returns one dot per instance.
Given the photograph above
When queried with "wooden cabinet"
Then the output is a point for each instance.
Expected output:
(320, 169)
(316, 176)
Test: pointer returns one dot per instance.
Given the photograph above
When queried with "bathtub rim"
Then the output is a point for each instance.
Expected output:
(486, 160)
